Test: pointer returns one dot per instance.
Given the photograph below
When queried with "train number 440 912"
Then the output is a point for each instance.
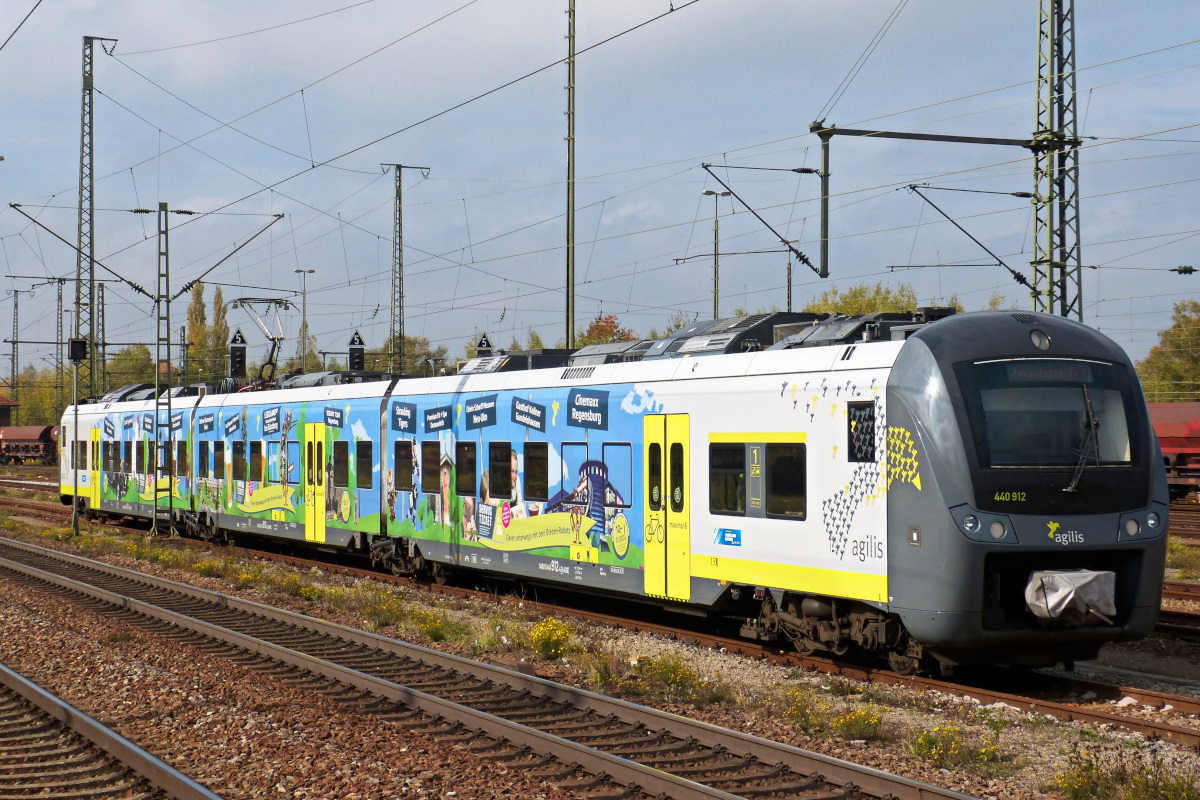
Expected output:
(1010, 497)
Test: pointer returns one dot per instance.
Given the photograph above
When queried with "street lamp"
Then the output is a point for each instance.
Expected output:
(716, 196)
(304, 273)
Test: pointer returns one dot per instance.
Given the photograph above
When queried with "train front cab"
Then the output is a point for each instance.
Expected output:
(1019, 476)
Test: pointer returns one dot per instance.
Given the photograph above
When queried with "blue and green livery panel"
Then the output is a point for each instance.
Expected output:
(540, 483)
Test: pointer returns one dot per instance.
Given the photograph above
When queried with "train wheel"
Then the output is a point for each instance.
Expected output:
(438, 573)
(902, 663)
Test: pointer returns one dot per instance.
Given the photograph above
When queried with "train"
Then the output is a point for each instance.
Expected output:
(982, 488)
(29, 444)
(1178, 428)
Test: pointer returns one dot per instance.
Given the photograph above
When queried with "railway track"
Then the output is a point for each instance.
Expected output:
(1027, 692)
(50, 749)
(584, 741)
(1184, 524)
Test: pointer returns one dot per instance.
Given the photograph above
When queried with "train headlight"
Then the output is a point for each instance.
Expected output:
(1132, 527)
(1040, 340)
(1152, 520)
(997, 530)
(971, 523)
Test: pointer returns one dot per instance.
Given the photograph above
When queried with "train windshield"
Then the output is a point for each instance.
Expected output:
(1046, 412)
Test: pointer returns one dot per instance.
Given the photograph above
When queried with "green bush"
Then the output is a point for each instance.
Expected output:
(864, 722)
(948, 746)
(1093, 775)
(802, 710)
(550, 638)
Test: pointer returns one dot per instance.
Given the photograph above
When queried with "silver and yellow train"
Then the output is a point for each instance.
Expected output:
(984, 488)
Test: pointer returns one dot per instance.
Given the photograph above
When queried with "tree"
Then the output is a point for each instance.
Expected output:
(307, 358)
(864, 299)
(219, 335)
(414, 361)
(674, 322)
(533, 341)
(1170, 372)
(132, 364)
(603, 329)
(514, 345)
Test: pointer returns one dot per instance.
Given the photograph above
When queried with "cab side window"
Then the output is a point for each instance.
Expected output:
(786, 481)
(727, 479)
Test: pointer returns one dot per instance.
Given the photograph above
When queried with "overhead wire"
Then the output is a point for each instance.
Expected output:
(861, 61)
(20, 24)
(248, 33)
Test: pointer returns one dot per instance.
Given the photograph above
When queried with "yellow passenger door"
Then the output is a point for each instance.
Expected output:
(95, 468)
(666, 502)
(314, 482)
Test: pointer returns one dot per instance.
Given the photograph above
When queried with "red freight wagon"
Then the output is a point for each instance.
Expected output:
(1178, 428)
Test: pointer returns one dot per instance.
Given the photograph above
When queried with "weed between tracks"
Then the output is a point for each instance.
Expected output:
(1184, 558)
(819, 712)
(1094, 774)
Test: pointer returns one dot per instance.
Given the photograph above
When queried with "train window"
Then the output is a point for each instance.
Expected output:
(431, 455)
(403, 468)
(537, 471)
(618, 460)
(291, 470)
(239, 461)
(1046, 412)
(151, 458)
(273, 462)
(677, 487)
(106, 453)
(127, 466)
(321, 465)
(202, 462)
(256, 461)
(219, 460)
(181, 459)
(654, 476)
(364, 464)
(141, 458)
(727, 479)
(574, 472)
(166, 462)
(860, 432)
(308, 472)
(341, 463)
(499, 472)
(786, 481)
(464, 473)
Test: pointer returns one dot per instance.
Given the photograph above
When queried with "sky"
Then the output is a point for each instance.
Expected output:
(240, 111)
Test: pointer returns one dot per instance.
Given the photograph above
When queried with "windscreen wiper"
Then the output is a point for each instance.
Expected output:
(1090, 439)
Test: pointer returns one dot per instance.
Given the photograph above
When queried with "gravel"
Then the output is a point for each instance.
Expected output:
(1035, 748)
(242, 734)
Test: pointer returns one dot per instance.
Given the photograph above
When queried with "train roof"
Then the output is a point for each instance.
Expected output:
(820, 345)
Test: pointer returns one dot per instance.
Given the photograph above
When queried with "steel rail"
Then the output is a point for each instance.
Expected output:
(629, 773)
(158, 773)
(833, 770)
(1063, 711)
